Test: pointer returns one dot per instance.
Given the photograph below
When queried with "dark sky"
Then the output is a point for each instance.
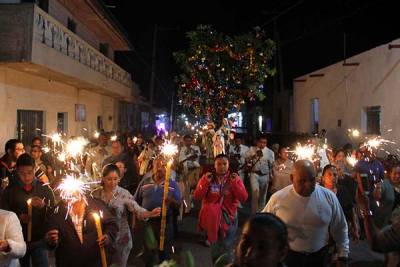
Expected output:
(311, 32)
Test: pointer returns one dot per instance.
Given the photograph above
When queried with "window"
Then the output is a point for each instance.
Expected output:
(62, 122)
(80, 112)
(103, 47)
(373, 120)
(71, 25)
(30, 125)
(314, 115)
(100, 123)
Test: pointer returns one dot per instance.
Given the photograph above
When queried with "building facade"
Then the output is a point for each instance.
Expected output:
(57, 72)
(360, 93)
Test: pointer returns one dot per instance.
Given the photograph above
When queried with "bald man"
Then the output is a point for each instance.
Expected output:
(311, 213)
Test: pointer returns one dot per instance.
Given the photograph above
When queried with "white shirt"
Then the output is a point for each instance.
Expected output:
(281, 175)
(263, 165)
(10, 230)
(309, 219)
(241, 150)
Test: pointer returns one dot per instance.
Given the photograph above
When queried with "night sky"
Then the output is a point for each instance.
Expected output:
(311, 32)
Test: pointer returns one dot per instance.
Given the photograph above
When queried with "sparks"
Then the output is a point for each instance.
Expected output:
(75, 147)
(72, 189)
(351, 160)
(354, 132)
(305, 152)
(134, 139)
(62, 156)
(96, 134)
(375, 143)
(113, 138)
(169, 149)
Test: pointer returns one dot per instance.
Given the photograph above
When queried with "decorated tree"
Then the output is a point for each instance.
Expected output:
(220, 73)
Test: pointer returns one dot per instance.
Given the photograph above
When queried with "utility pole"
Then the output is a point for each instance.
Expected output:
(153, 66)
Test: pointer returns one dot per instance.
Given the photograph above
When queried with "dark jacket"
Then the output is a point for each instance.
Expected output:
(15, 199)
(70, 251)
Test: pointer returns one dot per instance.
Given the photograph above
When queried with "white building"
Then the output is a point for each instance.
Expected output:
(57, 72)
(361, 93)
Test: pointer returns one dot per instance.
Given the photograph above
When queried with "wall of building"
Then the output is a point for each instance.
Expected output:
(345, 91)
(19, 90)
(59, 12)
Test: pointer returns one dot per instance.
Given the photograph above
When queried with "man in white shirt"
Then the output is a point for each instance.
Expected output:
(96, 156)
(238, 152)
(259, 160)
(281, 170)
(12, 244)
(311, 213)
(189, 169)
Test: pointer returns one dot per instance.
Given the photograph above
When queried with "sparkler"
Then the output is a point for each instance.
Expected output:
(354, 132)
(114, 138)
(305, 152)
(352, 160)
(134, 139)
(96, 134)
(168, 150)
(375, 143)
(75, 147)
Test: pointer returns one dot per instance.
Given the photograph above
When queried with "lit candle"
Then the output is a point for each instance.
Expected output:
(164, 206)
(29, 202)
(100, 236)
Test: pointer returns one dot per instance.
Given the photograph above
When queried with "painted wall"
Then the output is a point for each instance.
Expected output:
(19, 90)
(345, 91)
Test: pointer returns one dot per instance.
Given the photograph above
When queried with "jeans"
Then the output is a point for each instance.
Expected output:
(225, 245)
(37, 253)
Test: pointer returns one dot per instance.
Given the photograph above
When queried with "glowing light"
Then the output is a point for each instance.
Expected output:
(134, 140)
(305, 152)
(62, 156)
(114, 138)
(72, 189)
(96, 134)
(351, 160)
(75, 147)
(354, 132)
(46, 149)
(169, 149)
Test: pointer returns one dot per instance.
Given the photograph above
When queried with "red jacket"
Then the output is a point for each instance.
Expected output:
(211, 218)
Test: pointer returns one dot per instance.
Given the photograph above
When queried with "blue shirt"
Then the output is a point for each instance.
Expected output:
(149, 195)
(373, 168)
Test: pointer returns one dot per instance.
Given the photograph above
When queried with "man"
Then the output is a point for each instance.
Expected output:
(220, 193)
(15, 199)
(96, 157)
(281, 170)
(150, 195)
(13, 149)
(72, 232)
(237, 154)
(371, 167)
(118, 154)
(259, 162)
(311, 213)
(12, 245)
(189, 169)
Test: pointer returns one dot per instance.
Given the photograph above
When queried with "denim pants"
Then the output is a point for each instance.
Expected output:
(38, 254)
(225, 245)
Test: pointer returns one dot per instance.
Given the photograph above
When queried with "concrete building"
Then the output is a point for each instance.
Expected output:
(57, 72)
(360, 93)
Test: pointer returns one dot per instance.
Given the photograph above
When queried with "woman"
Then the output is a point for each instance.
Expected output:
(264, 242)
(120, 201)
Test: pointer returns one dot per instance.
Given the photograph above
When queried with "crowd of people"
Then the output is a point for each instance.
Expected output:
(304, 212)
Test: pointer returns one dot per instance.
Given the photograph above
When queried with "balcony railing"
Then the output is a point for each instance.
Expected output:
(52, 33)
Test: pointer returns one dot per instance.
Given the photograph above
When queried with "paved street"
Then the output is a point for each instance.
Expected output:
(190, 240)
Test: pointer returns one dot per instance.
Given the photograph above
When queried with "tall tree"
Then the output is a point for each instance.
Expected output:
(219, 72)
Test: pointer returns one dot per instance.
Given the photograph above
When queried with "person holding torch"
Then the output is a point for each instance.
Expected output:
(80, 228)
(31, 201)
(150, 195)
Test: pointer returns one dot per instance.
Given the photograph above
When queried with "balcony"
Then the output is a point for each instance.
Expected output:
(34, 42)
